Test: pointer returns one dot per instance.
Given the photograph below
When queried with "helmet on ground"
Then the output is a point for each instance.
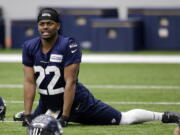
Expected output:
(45, 125)
(2, 109)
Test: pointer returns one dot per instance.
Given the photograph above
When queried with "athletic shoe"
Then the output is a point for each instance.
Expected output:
(171, 117)
(18, 116)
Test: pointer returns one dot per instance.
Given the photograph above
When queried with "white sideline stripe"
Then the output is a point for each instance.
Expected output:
(104, 58)
(114, 102)
(109, 58)
(107, 86)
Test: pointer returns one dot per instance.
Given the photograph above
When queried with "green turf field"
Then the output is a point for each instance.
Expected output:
(162, 78)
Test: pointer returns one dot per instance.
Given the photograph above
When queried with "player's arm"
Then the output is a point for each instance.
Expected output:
(70, 76)
(29, 89)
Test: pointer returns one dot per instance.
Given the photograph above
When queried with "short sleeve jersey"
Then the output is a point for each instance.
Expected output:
(49, 67)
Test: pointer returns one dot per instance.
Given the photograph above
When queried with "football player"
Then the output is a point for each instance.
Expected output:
(2, 109)
(51, 66)
(45, 125)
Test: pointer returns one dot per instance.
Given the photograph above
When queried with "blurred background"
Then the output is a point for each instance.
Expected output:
(98, 25)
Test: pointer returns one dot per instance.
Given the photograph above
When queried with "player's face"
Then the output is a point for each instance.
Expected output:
(48, 29)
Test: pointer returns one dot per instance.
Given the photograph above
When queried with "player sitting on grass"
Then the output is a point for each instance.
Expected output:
(51, 66)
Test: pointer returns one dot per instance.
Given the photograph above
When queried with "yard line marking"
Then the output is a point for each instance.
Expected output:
(145, 103)
(16, 102)
(11, 86)
(114, 102)
(109, 58)
(133, 86)
(107, 86)
(9, 121)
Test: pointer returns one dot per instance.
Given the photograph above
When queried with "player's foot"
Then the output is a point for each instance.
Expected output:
(171, 117)
(18, 116)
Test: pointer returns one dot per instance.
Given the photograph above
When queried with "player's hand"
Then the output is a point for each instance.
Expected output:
(27, 120)
(64, 121)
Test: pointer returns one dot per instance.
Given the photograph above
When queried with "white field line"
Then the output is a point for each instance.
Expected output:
(143, 103)
(10, 121)
(112, 103)
(11, 86)
(108, 86)
(132, 87)
(109, 58)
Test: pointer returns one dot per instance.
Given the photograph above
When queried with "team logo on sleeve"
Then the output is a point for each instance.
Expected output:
(56, 58)
(73, 45)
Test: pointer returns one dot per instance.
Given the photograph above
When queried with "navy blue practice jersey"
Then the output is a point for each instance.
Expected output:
(49, 67)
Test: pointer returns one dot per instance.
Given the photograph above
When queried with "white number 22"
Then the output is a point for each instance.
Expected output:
(50, 87)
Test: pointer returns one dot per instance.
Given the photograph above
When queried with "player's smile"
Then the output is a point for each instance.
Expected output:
(45, 33)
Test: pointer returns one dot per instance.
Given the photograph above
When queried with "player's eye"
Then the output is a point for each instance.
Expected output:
(50, 23)
(41, 24)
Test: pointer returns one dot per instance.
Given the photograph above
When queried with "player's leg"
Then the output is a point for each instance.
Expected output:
(39, 110)
(141, 115)
(98, 114)
(89, 110)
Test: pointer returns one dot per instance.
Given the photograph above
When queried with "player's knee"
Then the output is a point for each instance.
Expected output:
(130, 117)
(127, 118)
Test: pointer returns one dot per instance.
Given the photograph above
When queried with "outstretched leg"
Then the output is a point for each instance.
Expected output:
(139, 116)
